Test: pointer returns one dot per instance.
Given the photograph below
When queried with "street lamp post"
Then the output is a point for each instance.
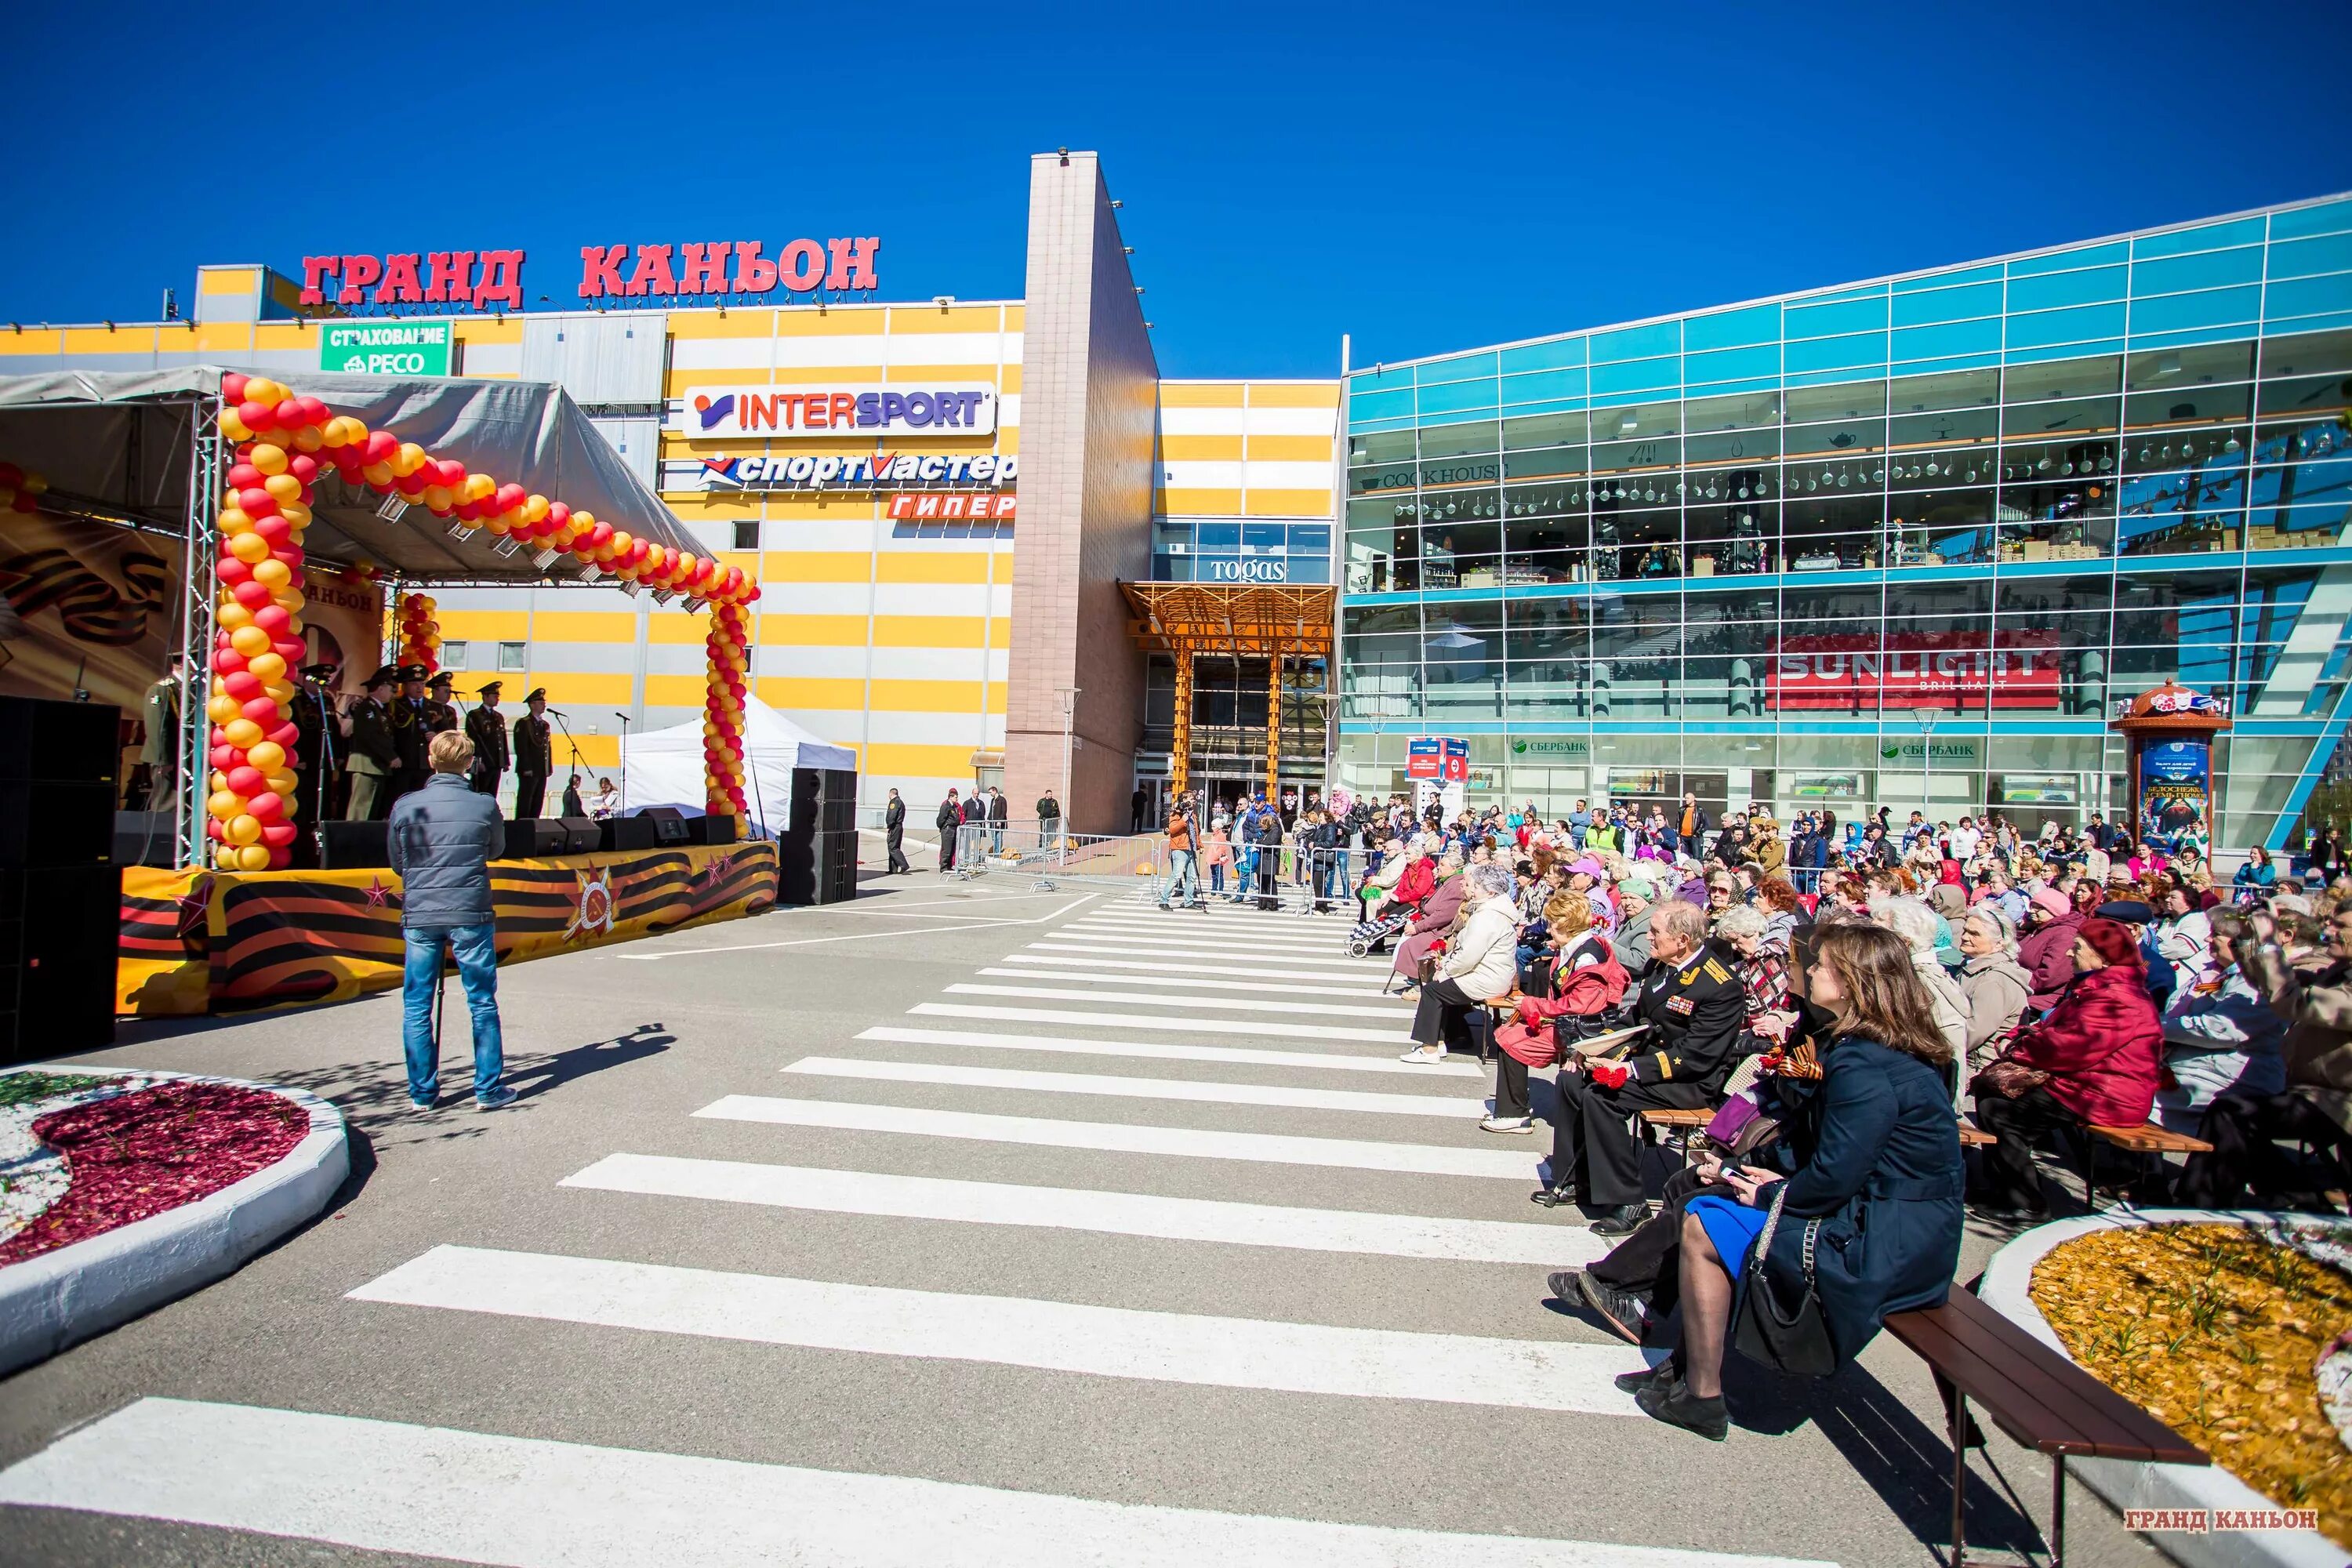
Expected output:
(1926, 718)
(1069, 727)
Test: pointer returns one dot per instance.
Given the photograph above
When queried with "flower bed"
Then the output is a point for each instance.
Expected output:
(2218, 1330)
(111, 1151)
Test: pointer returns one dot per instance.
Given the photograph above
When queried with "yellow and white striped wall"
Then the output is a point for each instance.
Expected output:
(1247, 449)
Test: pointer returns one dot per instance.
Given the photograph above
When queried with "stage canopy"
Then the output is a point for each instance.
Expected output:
(664, 767)
(118, 444)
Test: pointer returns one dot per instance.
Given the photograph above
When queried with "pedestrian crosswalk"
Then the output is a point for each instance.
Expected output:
(1190, 1066)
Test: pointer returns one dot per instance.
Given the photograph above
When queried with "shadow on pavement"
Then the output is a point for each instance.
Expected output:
(534, 1076)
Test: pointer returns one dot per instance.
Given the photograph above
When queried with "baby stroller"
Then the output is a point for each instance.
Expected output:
(1368, 934)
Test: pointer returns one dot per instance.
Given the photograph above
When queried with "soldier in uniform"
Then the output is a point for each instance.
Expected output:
(161, 748)
(488, 733)
(374, 758)
(440, 713)
(409, 736)
(533, 754)
(1695, 1008)
(318, 747)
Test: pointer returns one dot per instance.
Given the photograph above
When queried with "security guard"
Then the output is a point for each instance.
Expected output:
(532, 756)
(488, 733)
(375, 757)
(318, 748)
(409, 736)
(440, 713)
(1695, 1008)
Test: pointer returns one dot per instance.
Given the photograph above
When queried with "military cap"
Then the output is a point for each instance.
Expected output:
(490, 688)
(442, 677)
(320, 670)
(386, 675)
(536, 694)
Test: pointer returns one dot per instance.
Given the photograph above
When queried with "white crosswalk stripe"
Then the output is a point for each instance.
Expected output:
(1161, 1021)
(1255, 942)
(1061, 1336)
(1194, 983)
(531, 1502)
(1156, 1050)
(1110, 1212)
(1399, 1011)
(1118, 1137)
(1370, 978)
(1238, 963)
(1138, 1088)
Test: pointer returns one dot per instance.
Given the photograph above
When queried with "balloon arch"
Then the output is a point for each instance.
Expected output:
(284, 445)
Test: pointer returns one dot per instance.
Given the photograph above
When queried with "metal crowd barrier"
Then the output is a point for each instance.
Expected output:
(1126, 861)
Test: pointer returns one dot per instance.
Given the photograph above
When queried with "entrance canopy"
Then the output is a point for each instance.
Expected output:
(1230, 620)
(119, 444)
(665, 767)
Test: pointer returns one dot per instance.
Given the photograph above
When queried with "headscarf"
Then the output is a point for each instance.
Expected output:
(2113, 941)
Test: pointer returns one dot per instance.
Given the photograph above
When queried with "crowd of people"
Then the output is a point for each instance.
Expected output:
(1840, 1001)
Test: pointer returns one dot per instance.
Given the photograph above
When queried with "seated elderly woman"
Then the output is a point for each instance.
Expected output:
(1438, 910)
(1993, 985)
(1915, 922)
(2092, 1059)
(1582, 978)
(1874, 1211)
(2223, 1035)
(1763, 966)
(1478, 966)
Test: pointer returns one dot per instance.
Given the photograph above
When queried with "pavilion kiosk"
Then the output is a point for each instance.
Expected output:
(2171, 730)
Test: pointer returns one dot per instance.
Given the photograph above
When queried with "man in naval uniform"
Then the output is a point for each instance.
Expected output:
(487, 730)
(533, 755)
(409, 736)
(318, 748)
(1695, 1008)
(373, 757)
(440, 713)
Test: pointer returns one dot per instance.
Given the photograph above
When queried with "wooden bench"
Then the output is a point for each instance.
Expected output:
(2038, 1397)
(1976, 1137)
(2147, 1140)
(1665, 1122)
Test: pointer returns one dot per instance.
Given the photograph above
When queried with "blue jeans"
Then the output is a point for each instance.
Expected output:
(1217, 877)
(1184, 880)
(477, 970)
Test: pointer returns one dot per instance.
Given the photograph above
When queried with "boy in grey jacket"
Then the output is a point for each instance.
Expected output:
(442, 837)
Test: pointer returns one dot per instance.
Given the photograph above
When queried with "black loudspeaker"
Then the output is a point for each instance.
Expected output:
(54, 823)
(59, 743)
(836, 867)
(144, 838)
(534, 838)
(627, 833)
(671, 825)
(354, 845)
(713, 827)
(580, 834)
(797, 881)
(59, 932)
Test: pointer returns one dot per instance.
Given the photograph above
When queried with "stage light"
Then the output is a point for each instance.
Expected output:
(393, 509)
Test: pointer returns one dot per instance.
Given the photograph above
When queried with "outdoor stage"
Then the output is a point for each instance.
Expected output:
(197, 941)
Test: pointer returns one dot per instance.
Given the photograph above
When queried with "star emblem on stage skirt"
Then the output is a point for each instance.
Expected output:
(193, 905)
(593, 916)
(378, 895)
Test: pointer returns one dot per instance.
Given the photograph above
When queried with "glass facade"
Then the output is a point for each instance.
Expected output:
(1238, 550)
(1901, 542)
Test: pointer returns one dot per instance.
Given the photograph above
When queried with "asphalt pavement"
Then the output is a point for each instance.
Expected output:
(965, 1223)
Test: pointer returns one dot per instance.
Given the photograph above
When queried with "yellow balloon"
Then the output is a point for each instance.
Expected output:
(252, 858)
(297, 515)
(409, 459)
(219, 780)
(283, 784)
(534, 508)
(233, 615)
(242, 828)
(272, 575)
(222, 709)
(232, 521)
(261, 389)
(250, 640)
(427, 602)
(268, 459)
(267, 755)
(226, 804)
(241, 732)
(279, 691)
(249, 548)
(284, 487)
(437, 497)
(380, 475)
(265, 666)
(225, 855)
(308, 439)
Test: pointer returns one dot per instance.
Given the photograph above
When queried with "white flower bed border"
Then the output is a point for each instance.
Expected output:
(59, 1298)
(2126, 1483)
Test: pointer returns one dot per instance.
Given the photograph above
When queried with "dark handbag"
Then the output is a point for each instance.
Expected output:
(2007, 1077)
(1793, 1339)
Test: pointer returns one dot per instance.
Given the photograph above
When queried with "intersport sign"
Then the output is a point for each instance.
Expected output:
(762, 413)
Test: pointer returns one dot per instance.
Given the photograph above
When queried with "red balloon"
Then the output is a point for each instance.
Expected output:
(313, 411)
(276, 529)
(213, 830)
(265, 807)
(278, 835)
(227, 757)
(288, 554)
(248, 782)
(250, 594)
(557, 514)
(290, 415)
(291, 649)
(412, 485)
(232, 570)
(509, 496)
(303, 466)
(258, 416)
(274, 620)
(451, 471)
(469, 511)
(382, 445)
(286, 735)
(256, 501)
(227, 660)
(245, 688)
(261, 710)
(281, 859)
(245, 476)
(233, 387)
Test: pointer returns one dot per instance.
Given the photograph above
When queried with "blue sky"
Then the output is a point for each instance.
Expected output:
(1425, 178)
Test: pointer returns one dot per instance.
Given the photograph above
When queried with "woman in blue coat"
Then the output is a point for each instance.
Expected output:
(1884, 1179)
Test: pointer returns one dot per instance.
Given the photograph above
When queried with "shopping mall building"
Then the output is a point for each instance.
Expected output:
(1899, 540)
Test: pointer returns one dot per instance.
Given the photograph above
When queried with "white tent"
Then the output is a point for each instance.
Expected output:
(664, 767)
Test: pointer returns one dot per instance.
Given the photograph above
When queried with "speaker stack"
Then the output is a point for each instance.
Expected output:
(816, 857)
(60, 889)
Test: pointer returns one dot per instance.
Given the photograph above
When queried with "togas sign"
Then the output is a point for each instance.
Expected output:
(385, 348)
(1255, 569)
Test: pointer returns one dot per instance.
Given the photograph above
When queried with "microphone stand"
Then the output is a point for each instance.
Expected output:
(570, 740)
(623, 810)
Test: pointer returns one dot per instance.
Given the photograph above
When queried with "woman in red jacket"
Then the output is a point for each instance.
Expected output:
(2093, 1059)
